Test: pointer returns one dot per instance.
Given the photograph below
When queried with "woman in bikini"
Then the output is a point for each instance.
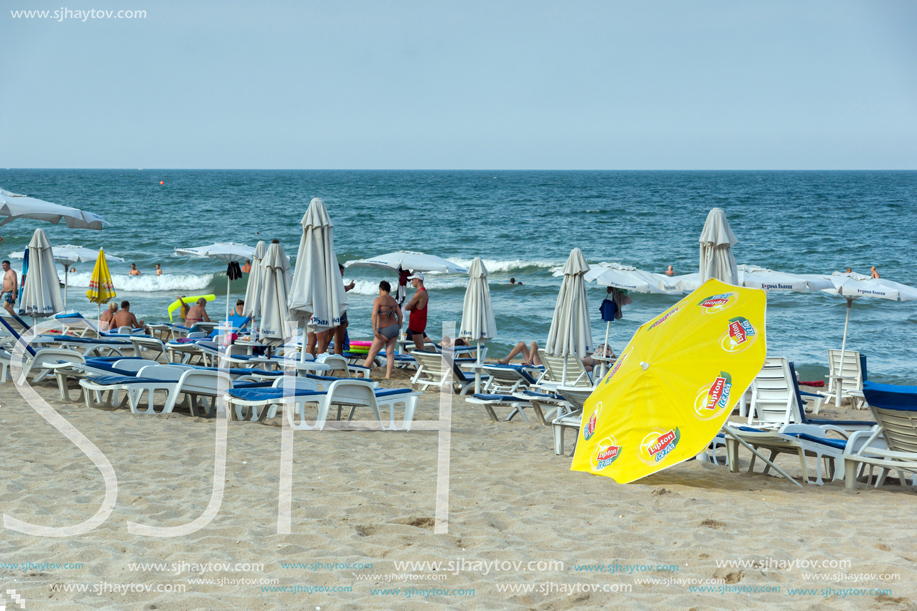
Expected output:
(386, 322)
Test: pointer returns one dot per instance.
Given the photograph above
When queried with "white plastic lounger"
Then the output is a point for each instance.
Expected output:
(37, 363)
(432, 369)
(848, 374)
(801, 439)
(554, 372)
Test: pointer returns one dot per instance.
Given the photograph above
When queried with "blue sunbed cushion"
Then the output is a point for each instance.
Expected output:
(109, 368)
(118, 379)
(269, 394)
(110, 359)
(542, 395)
(889, 396)
(842, 423)
(499, 398)
(392, 391)
(834, 443)
(266, 384)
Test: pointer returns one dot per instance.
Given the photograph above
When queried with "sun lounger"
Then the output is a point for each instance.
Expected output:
(554, 372)
(294, 393)
(850, 375)
(432, 370)
(844, 427)
(892, 445)
(801, 439)
(507, 378)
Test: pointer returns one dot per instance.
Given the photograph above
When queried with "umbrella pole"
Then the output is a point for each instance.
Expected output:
(227, 296)
(477, 370)
(839, 379)
(304, 344)
(563, 379)
(66, 284)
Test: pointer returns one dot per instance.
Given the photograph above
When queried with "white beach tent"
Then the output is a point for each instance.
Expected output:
(478, 323)
(68, 255)
(853, 286)
(252, 305)
(13, 206)
(222, 251)
(275, 291)
(41, 293)
(716, 242)
(570, 333)
(317, 298)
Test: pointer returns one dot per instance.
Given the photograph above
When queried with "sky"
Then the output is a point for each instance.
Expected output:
(461, 84)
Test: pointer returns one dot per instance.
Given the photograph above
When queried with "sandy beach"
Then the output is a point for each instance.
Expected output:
(363, 502)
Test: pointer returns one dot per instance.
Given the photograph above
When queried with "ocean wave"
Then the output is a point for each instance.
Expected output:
(151, 284)
(512, 265)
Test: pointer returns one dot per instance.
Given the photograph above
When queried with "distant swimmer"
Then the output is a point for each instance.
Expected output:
(247, 268)
(874, 273)
(73, 270)
(670, 271)
(158, 270)
(849, 271)
(134, 270)
(514, 283)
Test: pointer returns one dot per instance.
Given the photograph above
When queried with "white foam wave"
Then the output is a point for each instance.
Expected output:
(497, 265)
(149, 284)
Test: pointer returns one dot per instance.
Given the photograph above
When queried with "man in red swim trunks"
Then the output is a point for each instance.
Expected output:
(418, 309)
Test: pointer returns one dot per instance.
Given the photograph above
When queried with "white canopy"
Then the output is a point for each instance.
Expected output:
(407, 260)
(41, 293)
(570, 332)
(755, 277)
(252, 306)
(716, 242)
(627, 277)
(14, 206)
(318, 297)
(226, 252)
(275, 290)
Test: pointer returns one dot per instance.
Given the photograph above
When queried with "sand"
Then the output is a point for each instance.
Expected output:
(364, 498)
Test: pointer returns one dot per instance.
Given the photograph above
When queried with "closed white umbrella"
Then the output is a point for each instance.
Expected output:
(13, 206)
(275, 291)
(478, 321)
(41, 293)
(853, 286)
(318, 297)
(222, 251)
(252, 306)
(68, 255)
(716, 242)
(570, 332)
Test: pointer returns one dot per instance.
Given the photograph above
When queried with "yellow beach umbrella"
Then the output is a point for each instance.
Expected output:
(101, 289)
(675, 384)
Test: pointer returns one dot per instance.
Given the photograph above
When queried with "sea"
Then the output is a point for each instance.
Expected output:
(522, 224)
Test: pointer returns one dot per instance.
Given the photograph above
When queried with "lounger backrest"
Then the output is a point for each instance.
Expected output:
(336, 362)
(895, 410)
(165, 373)
(432, 363)
(353, 392)
(56, 355)
(773, 394)
(9, 324)
(203, 382)
(134, 364)
(576, 372)
(851, 369)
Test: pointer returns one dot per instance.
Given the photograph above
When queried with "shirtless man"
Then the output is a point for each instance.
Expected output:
(670, 272)
(126, 318)
(418, 307)
(10, 288)
(158, 270)
(872, 274)
(196, 313)
(134, 270)
(247, 268)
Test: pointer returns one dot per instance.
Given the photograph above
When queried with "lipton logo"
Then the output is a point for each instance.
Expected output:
(656, 446)
(739, 335)
(718, 303)
(592, 422)
(606, 452)
(665, 316)
(619, 362)
(712, 399)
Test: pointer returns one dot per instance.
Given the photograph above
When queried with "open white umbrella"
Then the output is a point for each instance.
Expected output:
(414, 261)
(41, 293)
(68, 255)
(318, 297)
(627, 278)
(754, 277)
(252, 306)
(222, 251)
(478, 321)
(716, 242)
(853, 286)
(14, 206)
(275, 291)
(570, 332)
